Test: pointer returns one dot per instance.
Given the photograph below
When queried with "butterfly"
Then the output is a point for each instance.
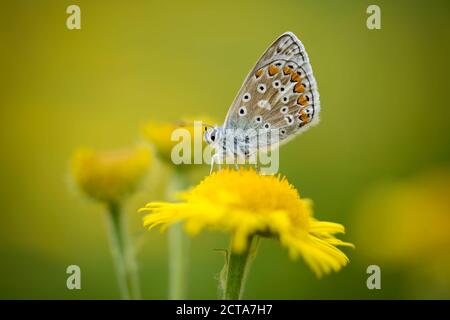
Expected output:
(279, 95)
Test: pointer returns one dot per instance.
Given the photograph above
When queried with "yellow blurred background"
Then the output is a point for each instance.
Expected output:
(385, 122)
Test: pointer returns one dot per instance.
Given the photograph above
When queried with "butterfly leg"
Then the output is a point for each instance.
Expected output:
(215, 159)
(212, 163)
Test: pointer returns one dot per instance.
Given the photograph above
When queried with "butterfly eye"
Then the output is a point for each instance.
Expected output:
(284, 110)
(261, 88)
(276, 84)
(242, 111)
(246, 97)
(258, 119)
(213, 137)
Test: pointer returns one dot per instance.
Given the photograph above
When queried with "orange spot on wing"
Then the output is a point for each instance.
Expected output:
(302, 101)
(295, 77)
(287, 70)
(299, 88)
(273, 70)
(303, 116)
(259, 73)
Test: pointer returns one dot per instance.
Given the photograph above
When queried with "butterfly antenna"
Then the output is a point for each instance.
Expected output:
(191, 123)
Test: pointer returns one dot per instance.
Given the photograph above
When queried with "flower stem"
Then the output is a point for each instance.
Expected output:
(178, 262)
(236, 270)
(123, 253)
(178, 248)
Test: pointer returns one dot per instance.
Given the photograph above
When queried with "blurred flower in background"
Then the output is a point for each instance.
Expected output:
(109, 177)
(159, 135)
(247, 204)
(406, 225)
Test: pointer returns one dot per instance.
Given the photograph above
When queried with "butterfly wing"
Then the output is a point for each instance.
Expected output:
(280, 93)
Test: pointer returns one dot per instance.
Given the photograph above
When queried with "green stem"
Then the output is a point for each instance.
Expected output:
(123, 253)
(236, 270)
(178, 262)
(178, 248)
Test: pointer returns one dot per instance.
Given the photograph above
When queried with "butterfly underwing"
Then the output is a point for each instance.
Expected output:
(278, 95)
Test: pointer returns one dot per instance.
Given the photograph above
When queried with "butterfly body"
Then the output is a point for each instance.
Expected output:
(278, 96)
(230, 146)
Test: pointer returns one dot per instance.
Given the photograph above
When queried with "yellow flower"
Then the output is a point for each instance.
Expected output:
(159, 135)
(111, 175)
(245, 203)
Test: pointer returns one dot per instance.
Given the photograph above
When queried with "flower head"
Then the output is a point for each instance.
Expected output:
(159, 134)
(109, 176)
(245, 203)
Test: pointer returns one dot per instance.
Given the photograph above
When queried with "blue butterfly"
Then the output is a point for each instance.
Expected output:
(279, 96)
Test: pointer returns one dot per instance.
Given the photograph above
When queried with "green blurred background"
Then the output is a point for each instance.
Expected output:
(385, 118)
